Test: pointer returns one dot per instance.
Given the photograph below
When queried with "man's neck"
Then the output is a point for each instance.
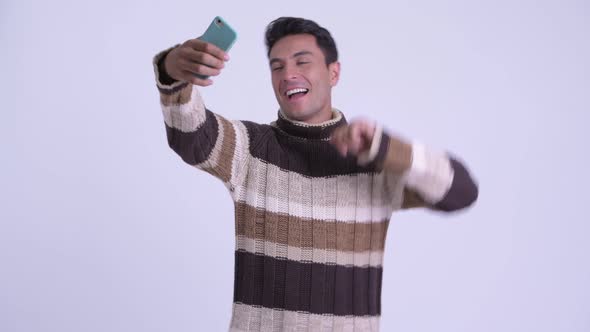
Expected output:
(322, 116)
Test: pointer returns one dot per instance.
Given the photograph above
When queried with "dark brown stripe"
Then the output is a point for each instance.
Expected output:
(315, 158)
(173, 90)
(194, 147)
(463, 191)
(308, 131)
(308, 287)
(228, 146)
(163, 76)
(307, 233)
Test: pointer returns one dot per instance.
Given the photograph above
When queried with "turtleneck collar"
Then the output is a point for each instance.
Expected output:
(310, 131)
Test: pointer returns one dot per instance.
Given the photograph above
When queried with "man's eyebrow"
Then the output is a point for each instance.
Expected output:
(300, 53)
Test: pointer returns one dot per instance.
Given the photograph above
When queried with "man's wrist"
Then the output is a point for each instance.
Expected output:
(163, 75)
(370, 154)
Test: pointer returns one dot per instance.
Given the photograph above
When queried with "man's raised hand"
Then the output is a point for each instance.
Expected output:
(354, 138)
(195, 57)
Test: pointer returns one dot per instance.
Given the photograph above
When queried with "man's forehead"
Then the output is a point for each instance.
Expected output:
(295, 54)
(292, 44)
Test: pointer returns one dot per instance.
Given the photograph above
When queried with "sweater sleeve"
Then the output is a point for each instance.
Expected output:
(430, 178)
(203, 139)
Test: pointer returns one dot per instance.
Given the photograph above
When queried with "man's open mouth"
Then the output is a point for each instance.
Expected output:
(294, 93)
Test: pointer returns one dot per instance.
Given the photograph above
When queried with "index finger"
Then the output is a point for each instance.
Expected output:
(206, 47)
(338, 133)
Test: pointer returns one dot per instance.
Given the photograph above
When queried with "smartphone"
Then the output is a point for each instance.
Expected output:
(220, 34)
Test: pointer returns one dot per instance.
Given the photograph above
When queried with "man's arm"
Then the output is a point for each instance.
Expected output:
(432, 179)
(200, 137)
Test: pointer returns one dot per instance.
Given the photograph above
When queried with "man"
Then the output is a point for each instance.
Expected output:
(313, 195)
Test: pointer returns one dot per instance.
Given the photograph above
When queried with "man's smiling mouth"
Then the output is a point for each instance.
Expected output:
(296, 92)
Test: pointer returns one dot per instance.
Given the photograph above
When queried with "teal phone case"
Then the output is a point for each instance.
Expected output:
(220, 34)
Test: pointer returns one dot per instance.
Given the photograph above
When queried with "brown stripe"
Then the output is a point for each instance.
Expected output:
(228, 147)
(180, 97)
(399, 156)
(309, 233)
(412, 200)
(222, 167)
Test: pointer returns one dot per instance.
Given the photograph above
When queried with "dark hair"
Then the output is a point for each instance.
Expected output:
(285, 26)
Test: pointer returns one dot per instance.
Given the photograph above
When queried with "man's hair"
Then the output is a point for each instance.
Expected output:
(285, 26)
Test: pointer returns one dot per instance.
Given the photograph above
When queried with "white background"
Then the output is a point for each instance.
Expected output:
(104, 228)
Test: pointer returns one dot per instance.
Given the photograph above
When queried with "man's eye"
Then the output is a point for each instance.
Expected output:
(302, 62)
(277, 68)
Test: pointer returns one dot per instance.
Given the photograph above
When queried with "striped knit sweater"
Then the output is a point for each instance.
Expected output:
(310, 225)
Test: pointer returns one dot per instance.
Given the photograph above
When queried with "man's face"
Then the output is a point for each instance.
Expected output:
(301, 80)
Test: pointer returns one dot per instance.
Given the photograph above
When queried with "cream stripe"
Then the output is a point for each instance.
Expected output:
(241, 156)
(186, 117)
(347, 198)
(330, 256)
(285, 320)
(431, 174)
(349, 214)
(336, 116)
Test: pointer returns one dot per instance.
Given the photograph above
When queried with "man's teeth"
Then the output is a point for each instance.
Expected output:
(294, 91)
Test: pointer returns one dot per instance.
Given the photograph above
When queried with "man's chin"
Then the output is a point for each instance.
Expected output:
(297, 115)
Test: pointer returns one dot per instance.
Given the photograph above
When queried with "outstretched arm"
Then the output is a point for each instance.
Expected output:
(200, 137)
(432, 179)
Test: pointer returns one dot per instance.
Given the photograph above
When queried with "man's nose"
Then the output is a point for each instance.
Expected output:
(289, 73)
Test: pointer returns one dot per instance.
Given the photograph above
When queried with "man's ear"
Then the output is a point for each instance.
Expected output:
(334, 70)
